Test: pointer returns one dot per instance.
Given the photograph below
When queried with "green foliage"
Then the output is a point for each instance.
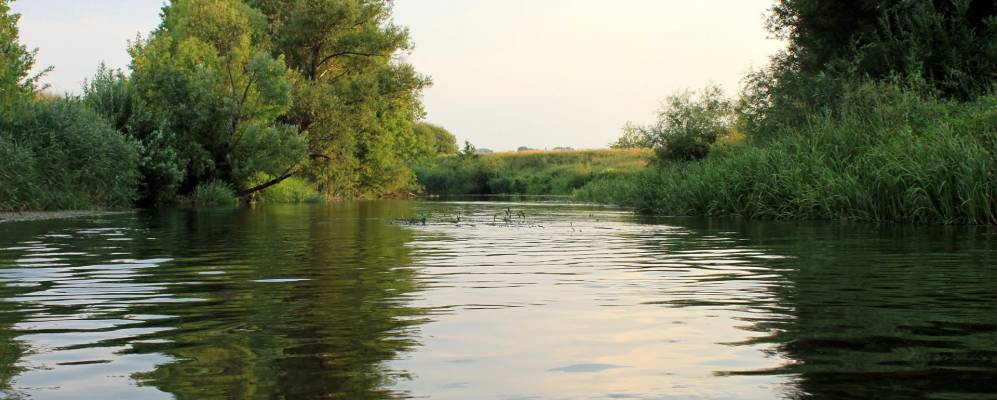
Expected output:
(949, 44)
(531, 173)
(17, 172)
(942, 47)
(207, 98)
(58, 154)
(432, 140)
(878, 111)
(226, 91)
(634, 136)
(689, 122)
(468, 153)
(887, 155)
(211, 194)
(354, 101)
(110, 95)
(16, 84)
(291, 190)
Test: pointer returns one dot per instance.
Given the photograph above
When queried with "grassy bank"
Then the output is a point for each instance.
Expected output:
(886, 155)
(527, 172)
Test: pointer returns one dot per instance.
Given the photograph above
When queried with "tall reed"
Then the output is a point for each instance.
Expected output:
(888, 155)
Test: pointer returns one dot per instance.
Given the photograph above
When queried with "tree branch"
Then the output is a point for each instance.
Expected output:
(346, 53)
(246, 192)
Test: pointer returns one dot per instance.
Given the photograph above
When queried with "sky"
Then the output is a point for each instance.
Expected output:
(506, 73)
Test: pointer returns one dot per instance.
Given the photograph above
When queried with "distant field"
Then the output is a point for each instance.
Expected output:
(534, 172)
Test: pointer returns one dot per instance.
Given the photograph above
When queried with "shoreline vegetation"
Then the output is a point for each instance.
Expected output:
(889, 155)
(225, 101)
(876, 111)
(535, 172)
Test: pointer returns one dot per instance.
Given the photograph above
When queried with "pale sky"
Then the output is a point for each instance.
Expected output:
(506, 73)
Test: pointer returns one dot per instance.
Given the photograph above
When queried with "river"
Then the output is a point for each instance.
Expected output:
(491, 300)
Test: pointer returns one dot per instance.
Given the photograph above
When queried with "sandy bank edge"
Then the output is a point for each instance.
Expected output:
(43, 215)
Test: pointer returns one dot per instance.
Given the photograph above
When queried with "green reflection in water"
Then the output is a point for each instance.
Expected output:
(334, 301)
(300, 304)
(871, 311)
(278, 302)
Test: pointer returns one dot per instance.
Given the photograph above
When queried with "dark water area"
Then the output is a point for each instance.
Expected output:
(491, 300)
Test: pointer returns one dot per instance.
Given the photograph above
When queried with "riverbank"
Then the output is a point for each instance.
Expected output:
(891, 156)
(45, 215)
(534, 172)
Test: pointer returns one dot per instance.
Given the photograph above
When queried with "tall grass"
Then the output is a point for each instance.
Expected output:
(887, 155)
(526, 172)
(210, 194)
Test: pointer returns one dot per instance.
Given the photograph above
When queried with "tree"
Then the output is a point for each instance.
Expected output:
(948, 47)
(633, 136)
(689, 122)
(433, 140)
(355, 102)
(209, 98)
(952, 44)
(468, 153)
(16, 82)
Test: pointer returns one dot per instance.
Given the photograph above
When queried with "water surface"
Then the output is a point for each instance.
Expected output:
(491, 300)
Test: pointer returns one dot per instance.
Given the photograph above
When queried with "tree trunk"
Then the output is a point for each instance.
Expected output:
(248, 196)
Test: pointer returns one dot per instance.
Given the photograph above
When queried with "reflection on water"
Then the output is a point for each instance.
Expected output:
(504, 301)
(298, 302)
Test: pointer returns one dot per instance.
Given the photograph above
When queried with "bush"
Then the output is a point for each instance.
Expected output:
(17, 172)
(689, 122)
(59, 154)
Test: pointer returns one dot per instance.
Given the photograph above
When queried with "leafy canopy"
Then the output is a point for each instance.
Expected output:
(16, 82)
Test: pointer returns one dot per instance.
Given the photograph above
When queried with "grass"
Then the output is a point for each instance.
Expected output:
(527, 172)
(888, 156)
(210, 194)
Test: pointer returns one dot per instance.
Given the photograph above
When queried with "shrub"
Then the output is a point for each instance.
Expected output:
(689, 122)
(63, 156)
(17, 172)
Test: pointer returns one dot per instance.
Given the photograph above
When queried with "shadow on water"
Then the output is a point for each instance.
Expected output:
(289, 302)
(865, 311)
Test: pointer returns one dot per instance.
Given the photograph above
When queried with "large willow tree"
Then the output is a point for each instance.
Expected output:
(355, 101)
(249, 93)
(209, 91)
